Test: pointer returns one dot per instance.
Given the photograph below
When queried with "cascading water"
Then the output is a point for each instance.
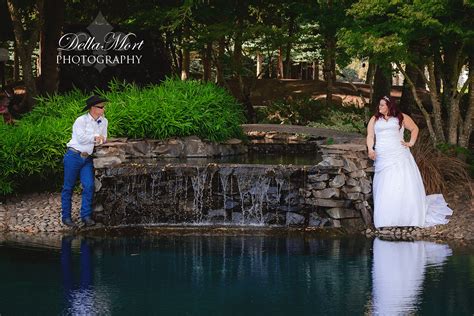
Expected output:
(199, 184)
(229, 194)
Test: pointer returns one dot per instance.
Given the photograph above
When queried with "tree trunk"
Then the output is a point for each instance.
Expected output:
(316, 70)
(450, 75)
(2, 74)
(438, 64)
(466, 125)
(419, 103)
(438, 122)
(370, 73)
(220, 62)
(333, 63)
(270, 66)
(259, 65)
(280, 63)
(206, 60)
(16, 64)
(173, 56)
(382, 84)
(186, 53)
(25, 47)
(291, 26)
(329, 54)
(237, 58)
(407, 100)
(49, 37)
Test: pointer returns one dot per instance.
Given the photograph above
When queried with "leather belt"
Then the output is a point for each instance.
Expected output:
(82, 153)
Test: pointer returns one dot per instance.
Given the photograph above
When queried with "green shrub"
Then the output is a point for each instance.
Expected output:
(298, 111)
(174, 108)
(316, 113)
(34, 147)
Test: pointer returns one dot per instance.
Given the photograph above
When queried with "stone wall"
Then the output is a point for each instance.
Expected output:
(3, 214)
(342, 187)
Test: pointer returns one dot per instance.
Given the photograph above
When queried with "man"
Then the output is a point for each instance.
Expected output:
(88, 130)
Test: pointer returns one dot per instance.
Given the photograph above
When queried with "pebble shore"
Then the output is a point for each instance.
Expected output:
(40, 213)
(34, 213)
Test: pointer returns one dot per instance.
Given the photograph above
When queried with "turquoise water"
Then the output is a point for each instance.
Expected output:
(216, 275)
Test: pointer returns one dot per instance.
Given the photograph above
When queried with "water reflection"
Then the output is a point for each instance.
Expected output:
(200, 275)
(398, 273)
(81, 298)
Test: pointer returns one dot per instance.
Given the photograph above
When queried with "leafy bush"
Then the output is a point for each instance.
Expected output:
(36, 144)
(316, 113)
(298, 111)
(174, 108)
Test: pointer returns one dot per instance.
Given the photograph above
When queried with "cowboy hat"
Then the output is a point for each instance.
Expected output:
(93, 100)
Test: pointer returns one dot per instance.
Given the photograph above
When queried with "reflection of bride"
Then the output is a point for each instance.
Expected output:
(398, 273)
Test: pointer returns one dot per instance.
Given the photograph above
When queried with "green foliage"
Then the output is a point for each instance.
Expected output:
(36, 144)
(350, 74)
(291, 111)
(174, 108)
(316, 113)
(388, 31)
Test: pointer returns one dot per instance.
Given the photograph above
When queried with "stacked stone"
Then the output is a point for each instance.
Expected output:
(395, 233)
(340, 187)
(3, 212)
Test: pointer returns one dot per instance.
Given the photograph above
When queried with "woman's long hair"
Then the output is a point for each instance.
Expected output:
(392, 110)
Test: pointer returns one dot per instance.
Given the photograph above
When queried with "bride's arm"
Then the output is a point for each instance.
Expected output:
(410, 125)
(371, 138)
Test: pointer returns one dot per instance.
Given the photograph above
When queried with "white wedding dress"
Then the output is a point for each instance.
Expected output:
(399, 193)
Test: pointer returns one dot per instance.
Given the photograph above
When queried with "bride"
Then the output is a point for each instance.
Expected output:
(399, 193)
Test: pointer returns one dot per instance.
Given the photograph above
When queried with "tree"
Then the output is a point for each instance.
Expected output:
(443, 32)
(49, 37)
(382, 84)
(330, 16)
(27, 20)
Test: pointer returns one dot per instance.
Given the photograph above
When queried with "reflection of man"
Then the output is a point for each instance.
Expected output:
(80, 301)
(88, 130)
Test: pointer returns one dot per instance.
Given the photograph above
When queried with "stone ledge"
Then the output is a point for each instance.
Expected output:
(341, 148)
(119, 150)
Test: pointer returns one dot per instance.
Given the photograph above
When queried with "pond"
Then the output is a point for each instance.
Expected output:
(236, 275)
(308, 158)
(255, 158)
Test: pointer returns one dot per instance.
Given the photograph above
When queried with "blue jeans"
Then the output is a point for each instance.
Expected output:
(77, 167)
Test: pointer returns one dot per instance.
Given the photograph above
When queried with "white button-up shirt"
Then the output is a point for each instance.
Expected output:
(84, 130)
